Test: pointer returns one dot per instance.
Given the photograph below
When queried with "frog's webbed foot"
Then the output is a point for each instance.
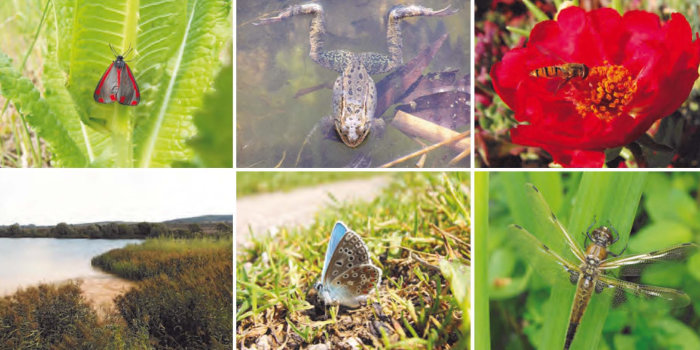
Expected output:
(400, 12)
(307, 8)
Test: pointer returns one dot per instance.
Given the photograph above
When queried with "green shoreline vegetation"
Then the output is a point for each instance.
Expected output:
(182, 300)
(184, 228)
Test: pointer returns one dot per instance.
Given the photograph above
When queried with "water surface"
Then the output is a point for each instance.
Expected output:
(273, 64)
(29, 261)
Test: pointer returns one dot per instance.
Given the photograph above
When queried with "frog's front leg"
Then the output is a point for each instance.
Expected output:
(334, 60)
(378, 63)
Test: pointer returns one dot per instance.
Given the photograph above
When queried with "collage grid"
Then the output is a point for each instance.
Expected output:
(433, 174)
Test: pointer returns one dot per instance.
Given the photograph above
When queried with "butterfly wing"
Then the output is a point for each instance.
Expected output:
(350, 252)
(353, 286)
(106, 90)
(128, 93)
(337, 234)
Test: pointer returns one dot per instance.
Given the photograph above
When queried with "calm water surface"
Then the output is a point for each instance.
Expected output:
(28, 261)
(273, 64)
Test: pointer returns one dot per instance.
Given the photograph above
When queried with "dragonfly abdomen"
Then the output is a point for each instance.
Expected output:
(584, 291)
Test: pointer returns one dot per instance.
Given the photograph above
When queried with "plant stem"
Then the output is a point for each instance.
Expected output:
(121, 138)
(482, 340)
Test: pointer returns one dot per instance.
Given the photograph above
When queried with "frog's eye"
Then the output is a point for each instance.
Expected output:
(348, 109)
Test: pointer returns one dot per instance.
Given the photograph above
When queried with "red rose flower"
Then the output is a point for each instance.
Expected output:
(638, 71)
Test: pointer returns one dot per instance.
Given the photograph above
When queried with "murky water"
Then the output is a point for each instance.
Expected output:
(273, 65)
(29, 261)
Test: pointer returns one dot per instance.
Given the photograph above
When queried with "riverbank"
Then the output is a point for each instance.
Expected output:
(99, 290)
(178, 296)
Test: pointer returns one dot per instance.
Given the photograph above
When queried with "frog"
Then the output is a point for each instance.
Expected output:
(354, 91)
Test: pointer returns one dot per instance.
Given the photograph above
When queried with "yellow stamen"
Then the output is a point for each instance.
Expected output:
(606, 92)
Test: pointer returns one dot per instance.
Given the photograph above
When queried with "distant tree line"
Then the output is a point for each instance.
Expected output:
(115, 230)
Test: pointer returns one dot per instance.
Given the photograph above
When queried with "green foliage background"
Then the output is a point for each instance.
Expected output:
(177, 54)
(526, 309)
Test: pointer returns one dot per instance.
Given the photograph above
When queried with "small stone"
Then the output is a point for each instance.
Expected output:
(318, 347)
(263, 343)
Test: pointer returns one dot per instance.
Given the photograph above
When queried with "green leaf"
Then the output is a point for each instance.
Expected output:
(215, 125)
(673, 205)
(28, 101)
(673, 334)
(660, 234)
(166, 122)
(482, 333)
(539, 14)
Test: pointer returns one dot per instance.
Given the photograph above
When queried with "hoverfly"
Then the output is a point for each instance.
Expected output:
(590, 271)
(566, 71)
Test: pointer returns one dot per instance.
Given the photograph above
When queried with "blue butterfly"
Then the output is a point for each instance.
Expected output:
(348, 274)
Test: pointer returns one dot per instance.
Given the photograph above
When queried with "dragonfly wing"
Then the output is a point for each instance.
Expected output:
(541, 210)
(621, 289)
(543, 260)
(633, 265)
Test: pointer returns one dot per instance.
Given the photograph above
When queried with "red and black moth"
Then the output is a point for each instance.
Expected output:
(118, 83)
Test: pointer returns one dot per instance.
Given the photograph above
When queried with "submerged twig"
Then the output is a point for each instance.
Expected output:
(427, 149)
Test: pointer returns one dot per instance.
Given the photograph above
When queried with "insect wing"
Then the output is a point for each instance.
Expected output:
(339, 230)
(106, 90)
(635, 264)
(621, 289)
(350, 252)
(128, 93)
(552, 267)
(547, 221)
(353, 286)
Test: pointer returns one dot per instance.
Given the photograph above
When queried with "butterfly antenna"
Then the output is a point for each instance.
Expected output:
(128, 51)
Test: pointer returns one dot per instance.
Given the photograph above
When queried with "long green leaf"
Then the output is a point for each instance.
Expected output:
(93, 144)
(27, 99)
(161, 137)
(482, 329)
(215, 125)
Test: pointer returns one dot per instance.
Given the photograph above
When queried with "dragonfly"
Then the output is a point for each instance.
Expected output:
(591, 272)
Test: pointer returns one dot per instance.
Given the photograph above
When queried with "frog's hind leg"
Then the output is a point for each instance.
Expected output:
(393, 32)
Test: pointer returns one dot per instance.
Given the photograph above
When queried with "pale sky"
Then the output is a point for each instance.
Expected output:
(49, 196)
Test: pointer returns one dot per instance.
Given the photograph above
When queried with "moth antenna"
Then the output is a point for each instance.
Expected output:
(113, 51)
(128, 51)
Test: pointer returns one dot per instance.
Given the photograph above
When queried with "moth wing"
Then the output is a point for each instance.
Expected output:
(128, 93)
(106, 90)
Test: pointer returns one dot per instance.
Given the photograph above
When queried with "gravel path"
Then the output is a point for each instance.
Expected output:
(260, 213)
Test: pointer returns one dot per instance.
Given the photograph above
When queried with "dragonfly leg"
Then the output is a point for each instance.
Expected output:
(588, 231)
(618, 254)
(615, 231)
